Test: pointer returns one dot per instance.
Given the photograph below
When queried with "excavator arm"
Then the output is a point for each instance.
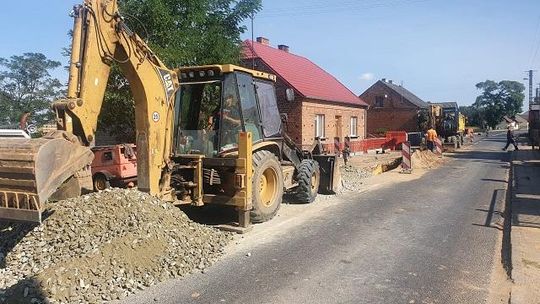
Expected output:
(31, 171)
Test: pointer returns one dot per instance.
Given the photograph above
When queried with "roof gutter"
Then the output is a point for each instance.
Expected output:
(338, 102)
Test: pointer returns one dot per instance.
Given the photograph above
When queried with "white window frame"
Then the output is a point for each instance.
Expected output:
(320, 126)
(353, 126)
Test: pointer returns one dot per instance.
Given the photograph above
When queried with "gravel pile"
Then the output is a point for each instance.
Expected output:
(351, 177)
(101, 247)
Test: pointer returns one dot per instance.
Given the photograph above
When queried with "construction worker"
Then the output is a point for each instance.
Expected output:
(510, 138)
(431, 135)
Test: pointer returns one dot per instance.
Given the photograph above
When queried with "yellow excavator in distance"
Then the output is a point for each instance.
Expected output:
(216, 138)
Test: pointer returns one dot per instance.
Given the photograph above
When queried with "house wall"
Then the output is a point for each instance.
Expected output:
(397, 114)
(310, 108)
(301, 113)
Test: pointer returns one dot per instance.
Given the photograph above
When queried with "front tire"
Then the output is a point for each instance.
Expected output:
(101, 182)
(267, 186)
(309, 177)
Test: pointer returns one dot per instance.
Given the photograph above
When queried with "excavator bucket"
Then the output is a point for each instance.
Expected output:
(330, 181)
(31, 170)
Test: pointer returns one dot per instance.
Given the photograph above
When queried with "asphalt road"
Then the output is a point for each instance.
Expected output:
(427, 240)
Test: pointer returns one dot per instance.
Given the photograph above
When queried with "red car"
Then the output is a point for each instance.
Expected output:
(114, 165)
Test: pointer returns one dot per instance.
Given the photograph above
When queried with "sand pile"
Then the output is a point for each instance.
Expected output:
(425, 160)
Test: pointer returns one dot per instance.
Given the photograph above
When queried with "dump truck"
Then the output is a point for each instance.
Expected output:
(204, 135)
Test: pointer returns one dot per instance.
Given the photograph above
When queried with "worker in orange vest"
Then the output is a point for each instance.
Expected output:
(431, 135)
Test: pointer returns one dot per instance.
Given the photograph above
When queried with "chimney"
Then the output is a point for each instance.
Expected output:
(263, 40)
(390, 81)
(283, 47)
(383, 80)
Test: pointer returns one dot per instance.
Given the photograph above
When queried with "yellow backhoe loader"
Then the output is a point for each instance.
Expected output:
(208, 134)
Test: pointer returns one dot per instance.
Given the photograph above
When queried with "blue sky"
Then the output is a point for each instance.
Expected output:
(439, 49)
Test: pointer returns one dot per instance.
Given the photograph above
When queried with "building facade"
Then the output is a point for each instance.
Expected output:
(391, 108)
(322, 107)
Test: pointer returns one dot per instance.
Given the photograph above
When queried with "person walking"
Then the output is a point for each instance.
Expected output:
(431, 135)
(510, 138)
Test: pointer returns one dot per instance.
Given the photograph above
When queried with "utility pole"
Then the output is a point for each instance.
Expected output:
(252, 43)
(530, 78)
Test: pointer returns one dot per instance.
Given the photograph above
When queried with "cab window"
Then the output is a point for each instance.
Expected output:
(271, 120)
(248, 101)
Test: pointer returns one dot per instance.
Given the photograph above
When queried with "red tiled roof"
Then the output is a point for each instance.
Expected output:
(304, 76)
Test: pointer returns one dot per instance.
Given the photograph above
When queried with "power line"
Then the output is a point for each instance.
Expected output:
(334, 8)
(536, 42)
(315, 10)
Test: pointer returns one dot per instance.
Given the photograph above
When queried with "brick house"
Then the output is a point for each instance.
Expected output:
(391, 108)
(323, 107)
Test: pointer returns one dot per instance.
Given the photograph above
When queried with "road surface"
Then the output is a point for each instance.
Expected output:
(427, 240)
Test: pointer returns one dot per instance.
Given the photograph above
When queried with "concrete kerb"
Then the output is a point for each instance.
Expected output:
(521, 233)
(506, 250)
(519, 240)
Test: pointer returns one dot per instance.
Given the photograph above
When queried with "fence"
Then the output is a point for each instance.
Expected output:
(392, 141)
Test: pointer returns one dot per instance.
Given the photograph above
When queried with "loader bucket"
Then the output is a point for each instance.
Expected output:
(31, 170)
(330, 175)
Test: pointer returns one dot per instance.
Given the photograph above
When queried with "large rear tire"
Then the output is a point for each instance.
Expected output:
(267, 186)
(309, 177)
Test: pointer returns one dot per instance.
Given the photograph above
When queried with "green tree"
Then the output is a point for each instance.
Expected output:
(474, 116)
(181, 33)
(499, 99)
(27, 85)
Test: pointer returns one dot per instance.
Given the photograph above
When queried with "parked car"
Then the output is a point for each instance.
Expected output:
(114, 166)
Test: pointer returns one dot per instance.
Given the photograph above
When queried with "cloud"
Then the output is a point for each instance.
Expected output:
(367, 77)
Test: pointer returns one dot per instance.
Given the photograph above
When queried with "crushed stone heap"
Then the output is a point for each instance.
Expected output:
(100, 247)
(352, 178)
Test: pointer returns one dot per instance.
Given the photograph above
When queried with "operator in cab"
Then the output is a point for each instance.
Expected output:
(228, 119)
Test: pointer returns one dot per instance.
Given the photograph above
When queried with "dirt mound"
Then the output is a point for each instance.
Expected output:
(102, 246)
(425, 160)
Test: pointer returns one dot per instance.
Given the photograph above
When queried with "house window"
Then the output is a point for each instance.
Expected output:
(319, 125)
(354, 126)
(379, 101)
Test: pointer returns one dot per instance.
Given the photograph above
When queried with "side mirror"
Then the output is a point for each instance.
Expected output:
(290, 94)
